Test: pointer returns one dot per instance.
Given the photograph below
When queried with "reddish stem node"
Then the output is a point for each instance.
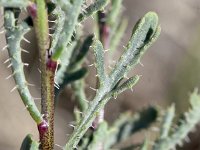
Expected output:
(43, 128)
(32, 10)
(51, 65)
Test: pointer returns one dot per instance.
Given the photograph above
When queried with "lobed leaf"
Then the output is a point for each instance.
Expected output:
(144, 34)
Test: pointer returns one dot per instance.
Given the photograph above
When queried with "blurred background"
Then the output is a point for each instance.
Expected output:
(170, 72)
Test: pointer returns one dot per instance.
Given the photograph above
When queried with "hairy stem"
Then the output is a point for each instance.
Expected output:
(39, 15)
(14, 35)
(47, 136)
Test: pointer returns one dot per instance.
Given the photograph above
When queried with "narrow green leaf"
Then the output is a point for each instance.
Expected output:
(80, 53)
(99, 55)
(72, 12)
(126, 85)
(73, 76)
(92, 9)
(64, 63)
(29, 144)
(128, 124)
(14, 3)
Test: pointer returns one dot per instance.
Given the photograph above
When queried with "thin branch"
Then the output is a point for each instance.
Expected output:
(17, 33)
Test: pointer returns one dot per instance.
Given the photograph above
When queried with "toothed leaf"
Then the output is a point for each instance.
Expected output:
(128, 124)
(192, 118)
(92, 9)
(14, 35)
(145, 34)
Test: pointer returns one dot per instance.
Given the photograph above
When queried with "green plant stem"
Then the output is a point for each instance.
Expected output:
(14, 35)
(47, 140)
(39, 15)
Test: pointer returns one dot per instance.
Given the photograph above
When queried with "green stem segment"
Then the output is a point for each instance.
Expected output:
(39, 15)
(14, 35)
